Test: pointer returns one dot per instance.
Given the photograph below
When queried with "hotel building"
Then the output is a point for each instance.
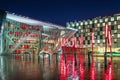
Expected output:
(85, 29)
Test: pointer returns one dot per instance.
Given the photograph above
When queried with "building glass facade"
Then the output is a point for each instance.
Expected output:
(20, 34)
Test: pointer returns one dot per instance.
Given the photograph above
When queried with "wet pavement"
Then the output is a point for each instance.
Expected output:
(58, 67)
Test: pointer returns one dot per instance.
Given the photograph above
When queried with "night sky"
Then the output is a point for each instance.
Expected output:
(61, 11)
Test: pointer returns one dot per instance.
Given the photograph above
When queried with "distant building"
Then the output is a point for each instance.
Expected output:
(20, 34)
(85, 29)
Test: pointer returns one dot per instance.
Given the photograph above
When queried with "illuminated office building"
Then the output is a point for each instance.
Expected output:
(98, 24)
(20, 34)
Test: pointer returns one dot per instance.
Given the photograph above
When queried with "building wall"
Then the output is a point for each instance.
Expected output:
(85, 29)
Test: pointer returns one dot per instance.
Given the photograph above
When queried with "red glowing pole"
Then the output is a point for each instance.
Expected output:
(106, 38)
(110, 41)
(93, 41)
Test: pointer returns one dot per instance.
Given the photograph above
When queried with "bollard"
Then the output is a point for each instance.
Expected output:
(49, 58)
(56, 58)
(65, 57)
(89, 59)
(43, 58)
(75, 59)
(105, 60)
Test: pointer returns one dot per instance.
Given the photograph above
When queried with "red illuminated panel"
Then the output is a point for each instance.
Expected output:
(26, 46)
(33, 27)
(24, 26)
(17, 52)
(18, 33)
(26, 33)
(34, 35)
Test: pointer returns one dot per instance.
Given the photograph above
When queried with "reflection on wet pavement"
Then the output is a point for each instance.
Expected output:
(57, 67)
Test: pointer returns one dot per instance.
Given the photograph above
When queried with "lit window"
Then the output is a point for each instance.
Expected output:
(86, 23)
(103, 24)
(118, 17)
(90, 22)
(103, 40)
(98, 41)
(77, 24)
(98, 25)
(115, 31)
(79, 27)
(103, 32)
(81, 23)
(109, 23)
(106, 19)
(118, 35)
(73, 24)
(88, 33)
(115, 40)
(101, 20)
(95, 21)
(118, 26)
(112, 18)
(115, 22)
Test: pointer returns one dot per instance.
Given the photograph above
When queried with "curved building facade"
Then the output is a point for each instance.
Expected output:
(24, 35)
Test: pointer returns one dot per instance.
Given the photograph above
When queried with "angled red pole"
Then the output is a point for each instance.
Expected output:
(93, 41)
(110, 41)
(106, 41)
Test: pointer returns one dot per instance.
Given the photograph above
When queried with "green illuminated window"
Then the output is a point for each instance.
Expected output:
(103, 24)
(86, 23)
(95, 21)
(79, 27)
(77, 24)
(106, 19)
(118, 35)
(91, 22)
(115, 22)
(98, 25)
(118, 17)
(118, 26)
(101, 20)
(112, 18)
(81, 23)
(109, 23)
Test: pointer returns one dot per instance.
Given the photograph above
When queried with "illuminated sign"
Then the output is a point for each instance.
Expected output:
(73, 42)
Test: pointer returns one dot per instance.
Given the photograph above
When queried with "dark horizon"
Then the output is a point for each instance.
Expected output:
(60, 12)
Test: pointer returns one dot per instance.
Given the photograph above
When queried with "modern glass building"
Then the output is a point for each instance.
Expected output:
(85, 29)
(20, 34)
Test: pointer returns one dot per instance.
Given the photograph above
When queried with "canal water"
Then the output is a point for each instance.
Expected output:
(58, 67)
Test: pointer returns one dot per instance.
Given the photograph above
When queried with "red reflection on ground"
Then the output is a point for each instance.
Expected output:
(70, 70)
(82, 72)
(108, 74)
(92, 71)
(62, 68)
